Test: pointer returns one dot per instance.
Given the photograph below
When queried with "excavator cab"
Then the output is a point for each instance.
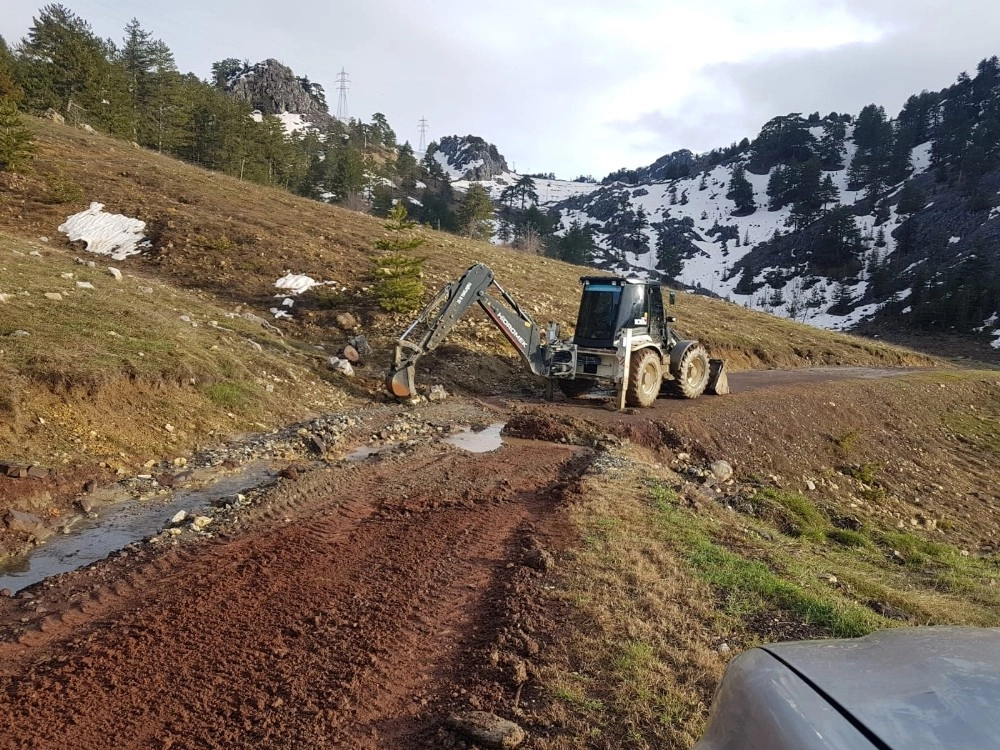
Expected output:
(609, 305)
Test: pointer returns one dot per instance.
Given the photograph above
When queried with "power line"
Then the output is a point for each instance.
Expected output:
(343, 86)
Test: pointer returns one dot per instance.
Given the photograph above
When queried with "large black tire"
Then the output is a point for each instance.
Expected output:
(574, 388)
(691, 377)
(645, 375)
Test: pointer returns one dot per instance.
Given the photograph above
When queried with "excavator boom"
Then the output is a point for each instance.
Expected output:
(447, 308)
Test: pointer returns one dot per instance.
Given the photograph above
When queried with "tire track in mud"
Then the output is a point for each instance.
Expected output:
(351, 624)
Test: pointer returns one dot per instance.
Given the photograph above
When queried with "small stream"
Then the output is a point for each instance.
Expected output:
(117, 526)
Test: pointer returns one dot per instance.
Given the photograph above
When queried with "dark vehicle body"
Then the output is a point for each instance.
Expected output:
(902, 689)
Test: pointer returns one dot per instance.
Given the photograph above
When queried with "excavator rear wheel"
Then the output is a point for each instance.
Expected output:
(644, 378)
(574, 388)
(691, 377)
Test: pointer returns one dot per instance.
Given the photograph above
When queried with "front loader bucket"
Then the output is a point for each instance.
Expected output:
(718, 381)
(401, 383)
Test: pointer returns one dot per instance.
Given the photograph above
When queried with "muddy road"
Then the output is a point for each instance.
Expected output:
(354, 604)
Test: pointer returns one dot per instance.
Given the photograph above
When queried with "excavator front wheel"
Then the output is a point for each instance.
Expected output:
(692, 374)
(644, 378)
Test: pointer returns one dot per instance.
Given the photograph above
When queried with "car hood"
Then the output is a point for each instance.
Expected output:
(912, 687)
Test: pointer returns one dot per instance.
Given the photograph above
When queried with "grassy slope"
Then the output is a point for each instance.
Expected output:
(102, 371)
(234, 239)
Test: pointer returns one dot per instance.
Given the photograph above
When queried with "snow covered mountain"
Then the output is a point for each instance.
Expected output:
(862, 222)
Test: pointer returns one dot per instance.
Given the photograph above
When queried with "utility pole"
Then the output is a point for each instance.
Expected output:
(343, 86)
(423, 135)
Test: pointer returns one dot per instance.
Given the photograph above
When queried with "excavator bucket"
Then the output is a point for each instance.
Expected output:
(401, 383)
(718, 381)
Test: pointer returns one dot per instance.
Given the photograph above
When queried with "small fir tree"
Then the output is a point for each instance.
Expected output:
(475, 213)
(16, 141)
(398, 273)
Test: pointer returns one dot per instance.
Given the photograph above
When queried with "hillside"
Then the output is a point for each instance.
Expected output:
(346, 570)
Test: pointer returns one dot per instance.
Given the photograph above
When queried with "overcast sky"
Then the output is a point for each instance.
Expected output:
(577, 86)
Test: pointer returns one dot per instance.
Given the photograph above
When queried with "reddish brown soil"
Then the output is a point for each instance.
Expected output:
(356, 613)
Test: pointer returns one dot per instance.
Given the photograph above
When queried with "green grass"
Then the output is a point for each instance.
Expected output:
(231, 395)
(750, 586)
(793, 514)
(867, 472)
(849, 538)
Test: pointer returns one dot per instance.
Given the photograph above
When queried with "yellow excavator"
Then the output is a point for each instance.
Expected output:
(622, 339)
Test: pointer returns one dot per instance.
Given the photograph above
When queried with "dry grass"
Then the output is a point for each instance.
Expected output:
(129, 357)
(634, 664)
(656, 587)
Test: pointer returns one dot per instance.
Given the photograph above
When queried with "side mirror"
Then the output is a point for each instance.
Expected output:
(673, 299)
(671, 318)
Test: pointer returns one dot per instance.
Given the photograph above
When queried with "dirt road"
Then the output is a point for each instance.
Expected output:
(355, 605)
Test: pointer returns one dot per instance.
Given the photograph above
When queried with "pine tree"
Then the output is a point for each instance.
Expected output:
(524, 189)
(382, 200)
(831, 144)
(397, 272)
(65, 65)
(10, 89)
(741, 192)
(669, 259)
(16, 142)
(475, 213)
(406, 167)
(577, 244)
(828, 192)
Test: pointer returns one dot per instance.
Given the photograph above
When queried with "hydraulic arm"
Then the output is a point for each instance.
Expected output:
(440, 316)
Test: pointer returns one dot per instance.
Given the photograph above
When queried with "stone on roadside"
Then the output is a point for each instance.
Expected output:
(112, 271)
(487, 729)
(342, 366)
(22, 521)
(200, 522)
(54, 296)
(178, 518)
(540, 560)
(722, 470)
(438, 393)
(346, 321)
(84, 285)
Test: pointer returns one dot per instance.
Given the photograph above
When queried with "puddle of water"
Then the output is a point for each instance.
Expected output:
(118, 526)
(360, 454)
(483, 441)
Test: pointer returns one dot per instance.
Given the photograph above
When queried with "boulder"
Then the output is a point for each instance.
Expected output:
(487, 729)
(722, 470)
(346, 321)
(51, 114)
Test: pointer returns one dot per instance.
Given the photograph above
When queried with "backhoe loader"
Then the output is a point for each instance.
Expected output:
(622, 339)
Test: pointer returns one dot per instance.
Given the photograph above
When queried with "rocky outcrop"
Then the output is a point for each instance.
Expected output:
(273, 88)
(472, 157)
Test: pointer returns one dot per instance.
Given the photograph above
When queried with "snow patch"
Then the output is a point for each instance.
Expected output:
(297, 283)
(106, 234)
